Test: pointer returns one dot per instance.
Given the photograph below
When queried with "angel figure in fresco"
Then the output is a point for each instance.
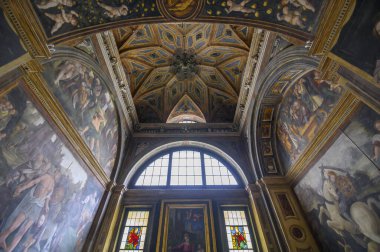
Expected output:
(63, 18)
(292, 17)
(305, 4)
(114, 12)
(29, 210)
(54, 3)
(69, 70)
(239, 7)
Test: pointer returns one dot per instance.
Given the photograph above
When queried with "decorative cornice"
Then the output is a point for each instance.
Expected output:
(251, 73)
(336, 14)
(194, 129)
(115, 67)
(345, 107)
(26, 24)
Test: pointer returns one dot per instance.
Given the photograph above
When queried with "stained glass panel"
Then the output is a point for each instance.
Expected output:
(133, 238)
(238, 235)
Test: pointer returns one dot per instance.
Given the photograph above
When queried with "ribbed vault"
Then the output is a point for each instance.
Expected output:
(212, 57)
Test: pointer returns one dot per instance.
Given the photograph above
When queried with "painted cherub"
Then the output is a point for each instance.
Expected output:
(299, 3)
(239, 7)
(291, 17)
(69, 70)
(62, 18)
(54, 3)
(114, 12)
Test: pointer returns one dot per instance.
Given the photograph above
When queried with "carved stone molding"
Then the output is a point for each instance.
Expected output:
(252, 71)
(111, 54)
(26, 24)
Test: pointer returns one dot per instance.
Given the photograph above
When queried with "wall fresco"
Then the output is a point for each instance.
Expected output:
(341, 194)
(304, 108)
(48, 200)
(88, 103)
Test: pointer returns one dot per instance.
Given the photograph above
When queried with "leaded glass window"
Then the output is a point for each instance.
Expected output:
(238, 234)
(134, 234)
(186, 167)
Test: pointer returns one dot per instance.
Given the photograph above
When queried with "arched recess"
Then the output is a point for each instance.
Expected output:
(186, 109)
(79, 76)
(185, 144)
(280, 75)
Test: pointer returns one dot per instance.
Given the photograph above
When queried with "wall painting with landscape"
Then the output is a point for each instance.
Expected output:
(304, 108)
(86, 100)
(48, 199)
(340, 194)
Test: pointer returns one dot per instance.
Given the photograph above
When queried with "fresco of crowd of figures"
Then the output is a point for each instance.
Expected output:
(48, 198)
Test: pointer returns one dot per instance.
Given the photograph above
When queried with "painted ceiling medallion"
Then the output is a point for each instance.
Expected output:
(180, 9)
(185, 64)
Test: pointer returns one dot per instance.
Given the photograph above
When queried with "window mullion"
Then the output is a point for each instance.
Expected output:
(169, 169)
(203, 169)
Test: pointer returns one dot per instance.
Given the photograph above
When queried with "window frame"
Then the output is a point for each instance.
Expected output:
(250, 224)
(230, 168)
(121, 227)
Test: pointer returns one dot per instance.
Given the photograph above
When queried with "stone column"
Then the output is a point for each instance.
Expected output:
(105, 240)
(260, 214)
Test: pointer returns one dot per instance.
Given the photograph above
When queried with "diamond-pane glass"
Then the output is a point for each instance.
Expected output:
(238, 235)
(133, 238)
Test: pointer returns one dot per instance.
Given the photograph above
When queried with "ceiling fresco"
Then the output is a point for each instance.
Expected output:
(293, 17)
(167, 62)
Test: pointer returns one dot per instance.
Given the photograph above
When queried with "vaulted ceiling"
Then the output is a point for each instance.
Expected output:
(215, 55)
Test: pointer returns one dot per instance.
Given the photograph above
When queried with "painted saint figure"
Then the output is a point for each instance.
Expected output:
(185, 246)
(27, 213)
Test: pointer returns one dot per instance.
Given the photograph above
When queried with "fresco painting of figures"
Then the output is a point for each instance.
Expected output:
(340, 194)
(58, 16)
(304, 108)
(299, 14)
(48, 201)
(88, 103)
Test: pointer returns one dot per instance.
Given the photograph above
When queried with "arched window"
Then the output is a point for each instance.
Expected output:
(186, 167)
